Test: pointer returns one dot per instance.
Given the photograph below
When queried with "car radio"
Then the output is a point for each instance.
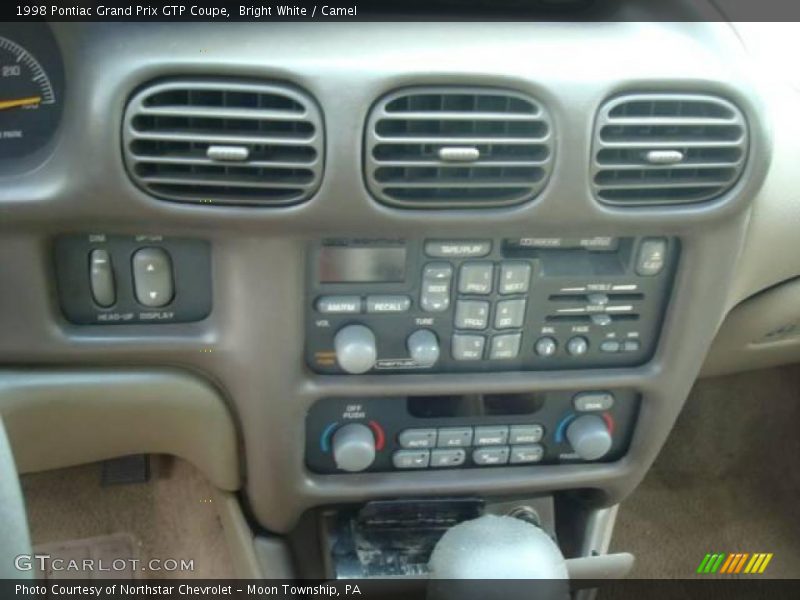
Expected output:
(457, 305)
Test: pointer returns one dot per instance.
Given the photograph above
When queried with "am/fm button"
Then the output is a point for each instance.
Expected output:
(339, 305)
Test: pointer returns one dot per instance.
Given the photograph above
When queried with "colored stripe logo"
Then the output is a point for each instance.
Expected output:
(734, 563)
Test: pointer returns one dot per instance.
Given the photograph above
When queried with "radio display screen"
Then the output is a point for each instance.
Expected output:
(349, 264)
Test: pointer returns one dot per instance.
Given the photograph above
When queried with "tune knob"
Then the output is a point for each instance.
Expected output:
(353, 447)
(423, 347)
(589, 437)
(355, 349)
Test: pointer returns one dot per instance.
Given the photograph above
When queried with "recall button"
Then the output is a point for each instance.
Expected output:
(388, 304)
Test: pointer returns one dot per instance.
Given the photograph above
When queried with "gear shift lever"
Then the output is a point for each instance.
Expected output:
(492, 547)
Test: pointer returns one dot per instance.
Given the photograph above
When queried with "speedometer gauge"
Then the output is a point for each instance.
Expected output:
(30, 94)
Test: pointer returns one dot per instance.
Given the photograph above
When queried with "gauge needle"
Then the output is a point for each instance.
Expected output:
(20, 102)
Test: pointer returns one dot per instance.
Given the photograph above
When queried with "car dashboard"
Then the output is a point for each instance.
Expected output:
(364, 262)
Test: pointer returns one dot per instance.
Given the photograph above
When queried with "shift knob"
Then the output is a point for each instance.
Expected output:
(492, 547)
(353, 447)
(589, 437)
(355, 349)
(473, 553)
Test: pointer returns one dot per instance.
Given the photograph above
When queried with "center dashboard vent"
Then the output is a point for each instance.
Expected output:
(652, 149)
(457, 147)
(224, 142)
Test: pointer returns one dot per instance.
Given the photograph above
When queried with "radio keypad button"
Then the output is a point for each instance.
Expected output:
(433, 301)
(339, 305)
(468, 347)
(472, 314)
(437, 271)
(417, 438)
(610, 346)
(448, 457)
(455, 437)
(457, 248)
(411, 459)
(476, 278)
(526, 434)
(436, 278)
(505, 346)
(509, 314)
(388, 304)
(491, 435)
(490, 456)
(526, 454)
(515, 277)
(631, 346)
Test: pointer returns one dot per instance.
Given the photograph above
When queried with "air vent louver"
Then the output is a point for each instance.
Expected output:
(450, 147)
(224, 142)
(667, 149)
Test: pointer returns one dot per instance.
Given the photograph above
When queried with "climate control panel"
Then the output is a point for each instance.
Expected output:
(468, 431)
(386, 306)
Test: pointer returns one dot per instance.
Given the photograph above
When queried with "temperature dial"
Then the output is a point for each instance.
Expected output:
(353, 447)
(589, 437)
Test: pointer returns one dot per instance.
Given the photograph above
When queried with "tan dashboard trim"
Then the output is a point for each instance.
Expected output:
(57, 419)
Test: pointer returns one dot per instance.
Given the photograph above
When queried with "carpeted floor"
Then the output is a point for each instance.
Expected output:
(170, 517)
(728, 480)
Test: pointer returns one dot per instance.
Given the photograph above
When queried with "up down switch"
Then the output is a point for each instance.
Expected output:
(152, 277)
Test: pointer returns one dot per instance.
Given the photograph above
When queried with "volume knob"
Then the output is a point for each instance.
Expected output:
(355, 349)
(589, 437)
(353, 447)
